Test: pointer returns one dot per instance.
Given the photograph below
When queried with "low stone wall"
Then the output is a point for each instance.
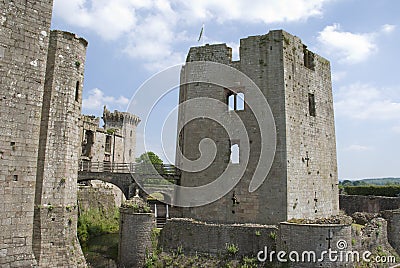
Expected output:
(371, 236)
(316, 238)
(199, 237)
(393, 228)
(370, 204)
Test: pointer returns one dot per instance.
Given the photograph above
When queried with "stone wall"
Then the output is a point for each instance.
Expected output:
(55, 242)
(24, 37)
(393, 228)
(193, 236)
(370, 204)
(371, 236)
(302, 182)
(313, 237)
(100, 197)
(310, 132)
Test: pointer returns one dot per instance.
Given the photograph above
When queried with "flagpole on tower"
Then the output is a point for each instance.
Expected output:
(201, 34)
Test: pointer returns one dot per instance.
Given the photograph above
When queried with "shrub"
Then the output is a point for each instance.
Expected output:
(232, 249)
(95, 222)
(376, 190)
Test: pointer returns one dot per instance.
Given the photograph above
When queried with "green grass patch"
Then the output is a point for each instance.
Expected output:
(94, 222)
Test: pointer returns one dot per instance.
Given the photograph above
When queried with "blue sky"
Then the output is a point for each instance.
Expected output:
(131, 40)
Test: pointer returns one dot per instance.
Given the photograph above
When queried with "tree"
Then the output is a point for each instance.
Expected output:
(149, 157)
(147, 162)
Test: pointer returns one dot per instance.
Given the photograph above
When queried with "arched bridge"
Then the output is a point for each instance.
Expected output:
(125, 175)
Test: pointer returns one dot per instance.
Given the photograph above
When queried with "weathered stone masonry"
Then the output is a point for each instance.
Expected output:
(115, 142)
(302, 182)
(24, 37)
(40, 103)
(55, 218)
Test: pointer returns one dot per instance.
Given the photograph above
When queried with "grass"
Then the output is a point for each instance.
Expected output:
(94, 222)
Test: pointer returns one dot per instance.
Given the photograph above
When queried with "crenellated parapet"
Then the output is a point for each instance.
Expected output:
(118, 119)
(90, 122)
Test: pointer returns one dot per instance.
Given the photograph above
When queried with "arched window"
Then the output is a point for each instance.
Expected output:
(235, 154)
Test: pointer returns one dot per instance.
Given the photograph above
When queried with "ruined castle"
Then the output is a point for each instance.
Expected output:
(43, 138)
(40, 105)
(115, 142)
(296, 82)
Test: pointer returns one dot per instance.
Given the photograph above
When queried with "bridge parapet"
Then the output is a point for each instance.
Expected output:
(137, 168)
(125, 175)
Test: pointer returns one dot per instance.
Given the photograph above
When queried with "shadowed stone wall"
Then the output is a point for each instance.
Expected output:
(316, 238)
(393, 228)
(193, 236)
(370, 204)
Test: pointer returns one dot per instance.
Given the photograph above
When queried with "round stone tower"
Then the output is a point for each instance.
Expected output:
(135, 228)
(55, 217)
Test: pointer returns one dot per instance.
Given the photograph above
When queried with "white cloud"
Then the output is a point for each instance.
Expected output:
(357, 148)
(365, 102)
(96, 99)
(258, 11)
(388, 28)
(109, 19)
(348, 47)
(153, 28)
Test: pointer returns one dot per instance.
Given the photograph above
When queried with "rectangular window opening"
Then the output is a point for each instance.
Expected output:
(77, 91)
(235, 101)
(235, 152)
(308, 58)
(311, 104)
(107, 148)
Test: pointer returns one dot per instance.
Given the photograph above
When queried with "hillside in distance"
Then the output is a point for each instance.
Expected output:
(371, 181)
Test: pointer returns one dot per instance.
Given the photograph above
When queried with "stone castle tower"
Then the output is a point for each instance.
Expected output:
(41, 76)
(302, 182)
(55, 217)
(125, 124)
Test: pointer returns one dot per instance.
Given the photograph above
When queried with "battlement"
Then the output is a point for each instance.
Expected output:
(70, 36)
(89, 122)
(118, 118)
(271, 43)
(217, 52)
(90, 119)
